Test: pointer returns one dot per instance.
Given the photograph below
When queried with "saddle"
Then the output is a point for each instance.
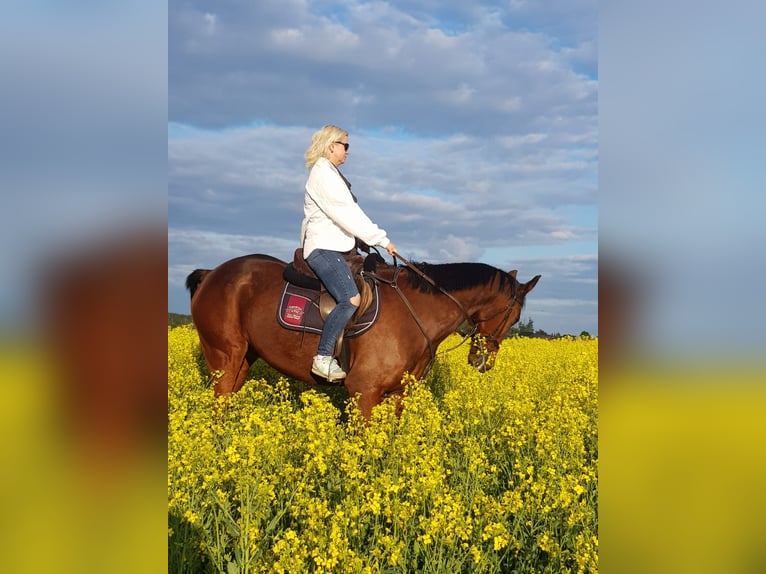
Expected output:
(306, 303)
(298, 269)
(299, 273)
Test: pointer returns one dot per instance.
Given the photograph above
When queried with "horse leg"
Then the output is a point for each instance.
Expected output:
(397, 396)
(250, 357)
(367, 401)
(230, 362)
(370, 396)
(240, 374)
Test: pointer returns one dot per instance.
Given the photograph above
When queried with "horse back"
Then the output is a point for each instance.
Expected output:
(234, 284)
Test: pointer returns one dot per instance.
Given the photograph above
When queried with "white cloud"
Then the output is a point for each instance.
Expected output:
(515, 141)
(211, 21)
(287, 36)
(200, 248)
(563, 234)
(564, 303)
(471, 129)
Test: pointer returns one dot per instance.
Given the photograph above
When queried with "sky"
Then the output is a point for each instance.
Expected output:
(681, 178)
(472, 130)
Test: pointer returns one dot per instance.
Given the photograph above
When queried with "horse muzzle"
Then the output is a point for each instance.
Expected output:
(482, 362)
(482, 354)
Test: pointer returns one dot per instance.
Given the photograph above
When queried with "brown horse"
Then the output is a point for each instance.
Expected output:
(234, 308)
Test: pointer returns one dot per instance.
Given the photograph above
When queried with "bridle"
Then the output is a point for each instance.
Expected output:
(473, 332)
(494, 336)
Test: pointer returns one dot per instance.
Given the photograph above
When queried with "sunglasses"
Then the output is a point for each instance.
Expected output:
(345, 145)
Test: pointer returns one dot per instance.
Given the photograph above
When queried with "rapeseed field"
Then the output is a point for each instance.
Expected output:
(493, 472)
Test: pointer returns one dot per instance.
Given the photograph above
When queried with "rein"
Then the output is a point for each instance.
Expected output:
(393, 283)
(433, 284)
(474, 325)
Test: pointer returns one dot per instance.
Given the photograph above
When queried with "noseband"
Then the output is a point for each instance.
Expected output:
(493, 337)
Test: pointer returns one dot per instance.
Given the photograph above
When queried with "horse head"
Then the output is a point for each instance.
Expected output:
(495, 319)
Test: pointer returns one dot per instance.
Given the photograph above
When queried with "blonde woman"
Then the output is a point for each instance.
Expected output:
(332, 220)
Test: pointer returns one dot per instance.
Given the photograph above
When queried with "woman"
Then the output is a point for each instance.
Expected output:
(332, 220)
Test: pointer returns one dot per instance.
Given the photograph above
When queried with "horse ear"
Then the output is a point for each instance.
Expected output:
(512, 273)
(529, 285)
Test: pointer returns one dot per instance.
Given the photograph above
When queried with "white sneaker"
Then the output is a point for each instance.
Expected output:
(327, 368)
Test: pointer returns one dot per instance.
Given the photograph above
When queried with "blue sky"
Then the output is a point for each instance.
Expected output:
(475, 143)
(473, 131)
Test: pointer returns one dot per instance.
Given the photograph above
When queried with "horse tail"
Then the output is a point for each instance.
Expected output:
(194, 279)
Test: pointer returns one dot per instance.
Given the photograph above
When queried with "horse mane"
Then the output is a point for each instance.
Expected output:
(456, 276)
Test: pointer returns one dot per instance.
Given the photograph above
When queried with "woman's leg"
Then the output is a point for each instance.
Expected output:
(334, 272)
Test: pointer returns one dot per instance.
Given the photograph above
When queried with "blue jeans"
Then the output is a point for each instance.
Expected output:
(334, 272)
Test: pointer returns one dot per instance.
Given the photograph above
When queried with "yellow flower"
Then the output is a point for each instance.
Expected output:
(285, 478)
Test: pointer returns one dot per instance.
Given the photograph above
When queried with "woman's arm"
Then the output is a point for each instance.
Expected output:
(329, 192)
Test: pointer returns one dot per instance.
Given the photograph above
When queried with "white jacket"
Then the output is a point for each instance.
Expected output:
(331, 217)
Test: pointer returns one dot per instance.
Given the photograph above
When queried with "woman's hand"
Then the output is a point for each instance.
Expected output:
(391, 248)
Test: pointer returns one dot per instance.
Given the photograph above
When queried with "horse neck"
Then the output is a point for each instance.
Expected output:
(488, 301)
(446, 310)
(436, 311)
(473, 300)
(473, 285)
(449, 310)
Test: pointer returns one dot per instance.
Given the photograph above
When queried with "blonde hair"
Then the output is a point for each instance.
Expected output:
(320, 143)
